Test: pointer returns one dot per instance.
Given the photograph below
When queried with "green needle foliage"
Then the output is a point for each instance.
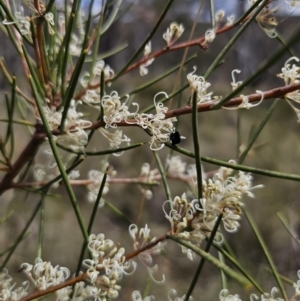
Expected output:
(110, 129)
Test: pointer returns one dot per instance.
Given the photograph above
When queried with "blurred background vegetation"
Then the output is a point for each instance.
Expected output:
(277, 148)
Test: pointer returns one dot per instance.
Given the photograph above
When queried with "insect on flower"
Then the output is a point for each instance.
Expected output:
(175, 138)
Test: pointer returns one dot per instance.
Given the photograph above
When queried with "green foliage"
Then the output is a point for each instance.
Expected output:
(72, 123)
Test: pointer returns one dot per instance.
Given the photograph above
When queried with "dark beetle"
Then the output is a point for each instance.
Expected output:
(175, 138)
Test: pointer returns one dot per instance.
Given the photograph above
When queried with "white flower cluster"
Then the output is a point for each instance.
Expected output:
(114, 111)
(97, 177)
(266, 20)
(291, 75)
(245, 101)
(115, 139)
(111, 262)
(176, 168)
(75, 135)
(81, 292)
(143, 67)
(221, 194)
(47, 169)
(181, 217)
(140, 239)
(22, 21)
(136, 296)
(173, 292)
(151, 176)
(44, 275)
(159, 127)
(292, 3)
(200, 85)
(8, 292)
(225, 296)
(173, 33)
(76, 41)
(92, 96)
(297, 285)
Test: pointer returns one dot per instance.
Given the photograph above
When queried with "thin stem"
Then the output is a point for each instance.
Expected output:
(264, 172)
(264, 66)
(22, 234)
(41, 225)
(141, 48)
(92, 219)
(266, 252)
(163, 176)
(197, 147)
(60, 164)
(257, 132)
(202, 261)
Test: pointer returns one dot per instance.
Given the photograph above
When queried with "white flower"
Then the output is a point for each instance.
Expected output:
(175, 166)
(159, 127)
(50, 21)
(97, 177)
(210, 35)
(292, 3)
(267, 297)
(141, 237)
(224, 296)
(291, 75)
(147, 172)
(23, 23)
(235, 84)
(91, 97)
(75, 136)
(173, 33)
(143, 69)
(114, 110)
(266, 21)
(115, 138)
(136, 296)
(147, 49)
(297, 285)
(75, 45)
(100, 66)
(230, 20)
(109, 259)
(8, 292)
(44, 275)
(245, 102)
(221, 195)
(74, 174)
(200, 85)
(172, 291)
(64, 293)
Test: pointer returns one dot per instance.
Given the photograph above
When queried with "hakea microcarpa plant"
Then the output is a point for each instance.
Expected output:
(54, 44)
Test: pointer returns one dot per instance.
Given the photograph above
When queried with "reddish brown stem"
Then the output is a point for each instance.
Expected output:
(82, 277)
(270, 94)
(25, 157)
(196, 42)
(39, 137)
(52, 289)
